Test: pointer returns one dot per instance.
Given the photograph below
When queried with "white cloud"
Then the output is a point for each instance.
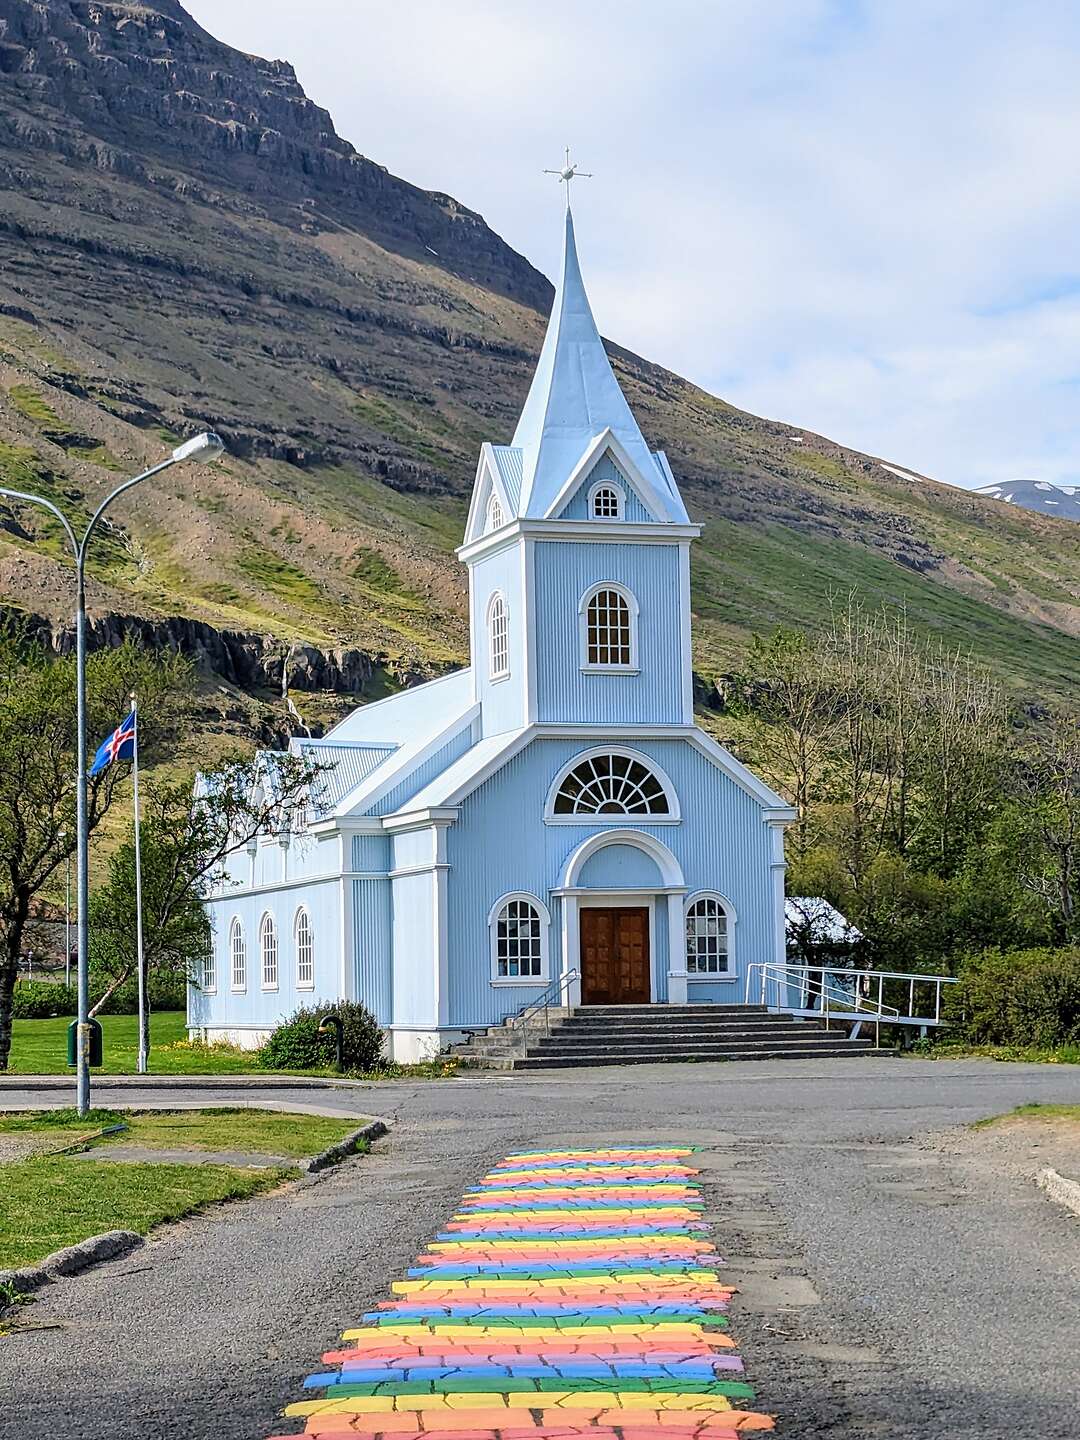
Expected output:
(831, 212)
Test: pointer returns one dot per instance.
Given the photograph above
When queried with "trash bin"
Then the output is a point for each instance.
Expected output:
(73, 1043)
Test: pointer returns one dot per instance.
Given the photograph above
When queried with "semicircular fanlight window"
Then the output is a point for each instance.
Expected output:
(611, 785)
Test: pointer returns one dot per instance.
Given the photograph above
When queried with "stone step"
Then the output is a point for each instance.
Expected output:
(827, 1050)
(689, 1034)
(683, 1027)
(660, 1046)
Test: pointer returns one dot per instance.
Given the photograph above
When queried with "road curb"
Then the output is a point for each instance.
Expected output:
(275, 1081)
(373, 1130)
(69, 1261)
(1066, 1192)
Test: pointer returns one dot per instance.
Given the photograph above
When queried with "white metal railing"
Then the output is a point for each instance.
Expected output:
(552, 995)
(830, 992)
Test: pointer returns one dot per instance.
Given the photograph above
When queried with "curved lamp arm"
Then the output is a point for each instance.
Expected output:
(80, 552)
(53, 510)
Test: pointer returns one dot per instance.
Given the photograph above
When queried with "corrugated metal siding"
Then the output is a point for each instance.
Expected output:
(577, 507)
(424, 774)
(371, 937)
(721, 843)
(564, 571)
(414, 950)
(619, 867)
(268, 1007)
(511, 464)
(503, 700)
(371, 852)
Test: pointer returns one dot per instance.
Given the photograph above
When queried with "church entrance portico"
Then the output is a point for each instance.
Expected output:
(622, 944)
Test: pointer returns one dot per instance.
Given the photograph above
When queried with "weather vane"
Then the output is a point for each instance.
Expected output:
(569, 172)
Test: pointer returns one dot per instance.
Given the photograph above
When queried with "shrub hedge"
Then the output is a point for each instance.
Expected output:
(1027, 998)
(38, 999)
(297, 1045)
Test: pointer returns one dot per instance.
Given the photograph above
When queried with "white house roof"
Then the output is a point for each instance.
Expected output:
(466, 772)
(574, 397)
(407, 716)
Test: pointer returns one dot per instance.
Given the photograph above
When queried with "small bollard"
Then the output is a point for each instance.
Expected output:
(93, 1038)
(333, 1022)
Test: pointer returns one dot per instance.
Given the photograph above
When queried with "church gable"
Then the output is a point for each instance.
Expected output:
(605, 493)
(495, 491)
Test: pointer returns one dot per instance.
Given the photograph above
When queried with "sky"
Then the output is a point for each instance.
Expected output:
(859, 218)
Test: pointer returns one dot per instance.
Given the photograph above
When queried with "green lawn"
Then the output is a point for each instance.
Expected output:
(39, 1047)
(958, 1050)
(261, 1131)
(54, 1201)
(49, 1200)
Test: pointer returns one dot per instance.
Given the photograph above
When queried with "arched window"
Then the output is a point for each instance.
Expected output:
(708, 937)
(494, 513)
(498, 619)
(268, 947)
(238, 955)
(612, 782)
(606, 501)
(305, 950)
(519, 940)
(608, 628)
(208, 980)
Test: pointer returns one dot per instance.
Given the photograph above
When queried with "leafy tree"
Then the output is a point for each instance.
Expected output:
(185, 842)
(38, 763)
(1041, 829)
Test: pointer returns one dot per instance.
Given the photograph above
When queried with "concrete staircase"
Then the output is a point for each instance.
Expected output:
(654, 1034)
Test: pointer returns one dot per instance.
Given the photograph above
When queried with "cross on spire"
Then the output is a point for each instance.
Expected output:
(568, 172)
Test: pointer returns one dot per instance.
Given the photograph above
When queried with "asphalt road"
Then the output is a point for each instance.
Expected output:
(894, 1283)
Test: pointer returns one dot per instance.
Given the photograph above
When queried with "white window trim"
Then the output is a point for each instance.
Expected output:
(545, 933)
(583, 630)
(236, 924)
(494, 676)
(722, 977)
(268, 915)
(302, 910)
(208, 989)
(673, 817)
(493, 504)
(620, 513)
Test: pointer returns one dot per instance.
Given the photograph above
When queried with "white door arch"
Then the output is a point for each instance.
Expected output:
(671, 892)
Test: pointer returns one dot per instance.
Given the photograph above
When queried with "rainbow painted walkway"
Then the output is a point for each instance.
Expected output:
(574, 1294)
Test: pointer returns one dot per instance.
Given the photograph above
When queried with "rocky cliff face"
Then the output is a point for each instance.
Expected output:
(185, 242)
(153, 94)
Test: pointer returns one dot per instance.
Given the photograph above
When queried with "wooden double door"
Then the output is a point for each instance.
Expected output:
(615, 956)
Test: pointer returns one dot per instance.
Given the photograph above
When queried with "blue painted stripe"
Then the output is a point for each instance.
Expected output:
(591, 1182)
(567, 1370)
(585, 1268)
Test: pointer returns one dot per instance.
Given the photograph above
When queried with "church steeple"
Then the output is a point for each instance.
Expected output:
(574, 398)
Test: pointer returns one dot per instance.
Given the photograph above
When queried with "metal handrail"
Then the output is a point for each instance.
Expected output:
(554, 991)
(854, 1004)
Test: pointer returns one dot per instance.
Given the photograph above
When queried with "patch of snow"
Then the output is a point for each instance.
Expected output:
(895, 470)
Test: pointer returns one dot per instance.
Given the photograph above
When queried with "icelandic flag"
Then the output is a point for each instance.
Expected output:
(119, 746)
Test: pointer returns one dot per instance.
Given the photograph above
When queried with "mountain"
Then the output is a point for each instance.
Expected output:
(186, 241)
(1061, 501)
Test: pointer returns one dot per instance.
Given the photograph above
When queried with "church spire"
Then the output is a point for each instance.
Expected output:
(574, 397)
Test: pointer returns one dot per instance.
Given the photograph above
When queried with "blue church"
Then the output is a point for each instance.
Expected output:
(549, 817)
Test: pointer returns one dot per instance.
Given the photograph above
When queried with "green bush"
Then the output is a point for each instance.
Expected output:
(297, 1045)
(38, 999)
(1018, 997)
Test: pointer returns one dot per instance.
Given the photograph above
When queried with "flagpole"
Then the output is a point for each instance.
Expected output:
(144, 1039)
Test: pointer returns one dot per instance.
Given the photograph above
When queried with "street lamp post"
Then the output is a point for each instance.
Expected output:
(203, 447)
